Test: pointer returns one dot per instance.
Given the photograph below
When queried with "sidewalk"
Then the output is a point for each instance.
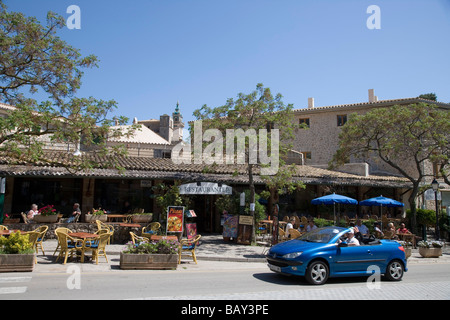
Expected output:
(212, 248)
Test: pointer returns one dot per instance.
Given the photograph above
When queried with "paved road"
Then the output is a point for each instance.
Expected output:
(216, 281)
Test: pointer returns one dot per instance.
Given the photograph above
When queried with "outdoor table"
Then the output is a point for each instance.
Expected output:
(156, 238)
(117, 217)
(130, 225)
(85, 236)
(407, 237)
(6, 233)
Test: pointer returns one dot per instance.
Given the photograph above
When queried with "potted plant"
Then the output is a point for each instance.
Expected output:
(430, 249)
(408, 248)
(16, 253)
(96, 215)
(9, 220)
(155, 255)
(142, 217)
(47, 214)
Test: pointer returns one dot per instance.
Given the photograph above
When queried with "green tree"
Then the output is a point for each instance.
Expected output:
(258, 111)
(429, 96)
(33, 59)
(404, 137)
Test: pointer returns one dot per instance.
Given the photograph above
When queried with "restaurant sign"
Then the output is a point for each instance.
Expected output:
(205, 188)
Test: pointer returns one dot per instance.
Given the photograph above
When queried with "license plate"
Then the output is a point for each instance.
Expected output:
(274, 268)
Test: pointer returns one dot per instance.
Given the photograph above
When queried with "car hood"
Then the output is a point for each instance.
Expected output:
(293, 246)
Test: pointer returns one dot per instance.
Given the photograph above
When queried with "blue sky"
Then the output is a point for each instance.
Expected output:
(153, 53)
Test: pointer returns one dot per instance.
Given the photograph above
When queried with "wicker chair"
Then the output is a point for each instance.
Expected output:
(97, 246)
(68, 245)
(102, 227)
(282, 235)
(137, 239)
(66, 230)
(42, 230)
(3, 227)
(294, 233)
(33, 238)
(24, 218)
(151, 229)
(188, 246)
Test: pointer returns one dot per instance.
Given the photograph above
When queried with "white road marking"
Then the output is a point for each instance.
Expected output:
(13, 290)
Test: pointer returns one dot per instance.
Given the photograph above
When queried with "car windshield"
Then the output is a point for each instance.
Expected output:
(320, 235)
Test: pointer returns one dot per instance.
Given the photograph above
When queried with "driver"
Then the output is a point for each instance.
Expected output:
(351, 240)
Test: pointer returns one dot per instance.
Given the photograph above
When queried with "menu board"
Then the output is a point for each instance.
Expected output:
(175, 219)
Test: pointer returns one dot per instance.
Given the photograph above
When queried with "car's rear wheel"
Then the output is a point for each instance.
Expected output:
(394, 271)
(317, 273)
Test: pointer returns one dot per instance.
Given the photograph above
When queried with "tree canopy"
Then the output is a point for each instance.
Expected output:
(407, 138)
(33, 59)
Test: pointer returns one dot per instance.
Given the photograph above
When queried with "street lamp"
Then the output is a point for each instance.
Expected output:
(435, 186)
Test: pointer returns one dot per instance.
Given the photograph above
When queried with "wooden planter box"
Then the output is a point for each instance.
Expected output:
(91, 218)
(430, 252)
(45, 219)
(142, 218)
(148, 261)
(17, 262)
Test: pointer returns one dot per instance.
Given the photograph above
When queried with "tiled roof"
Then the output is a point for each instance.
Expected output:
(140, 135)
(153, 168)
(380, 103)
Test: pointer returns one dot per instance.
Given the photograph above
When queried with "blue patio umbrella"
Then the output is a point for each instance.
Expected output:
(333, 199)
(381, 202)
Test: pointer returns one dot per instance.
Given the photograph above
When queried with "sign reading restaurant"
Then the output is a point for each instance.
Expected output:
(205, 188)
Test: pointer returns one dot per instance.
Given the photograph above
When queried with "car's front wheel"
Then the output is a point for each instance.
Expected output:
(317, 273)
(394, 271)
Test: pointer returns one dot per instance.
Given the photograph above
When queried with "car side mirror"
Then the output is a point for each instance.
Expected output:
(343, 244)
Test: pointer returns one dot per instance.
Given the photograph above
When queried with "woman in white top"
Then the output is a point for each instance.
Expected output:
(34, 211)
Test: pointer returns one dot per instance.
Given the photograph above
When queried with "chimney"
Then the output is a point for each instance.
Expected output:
(310, 103)
(372, 96)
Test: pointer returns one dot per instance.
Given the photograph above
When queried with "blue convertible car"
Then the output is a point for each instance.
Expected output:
(324, 253)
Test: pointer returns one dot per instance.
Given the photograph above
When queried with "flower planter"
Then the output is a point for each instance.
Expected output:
(148, 261)
(408, 252)
(142, 218)
(45, 219)
(91, 218)
(11, 221)
(430, 252)
(17, 262)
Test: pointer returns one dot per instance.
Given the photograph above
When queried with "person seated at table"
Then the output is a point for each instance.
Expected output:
(75, 211)
(311, 226)
(127, 207)
(362, 228)
(377, 229)
(403, 229)
(391, 230)
(33, 212)
(290, 225)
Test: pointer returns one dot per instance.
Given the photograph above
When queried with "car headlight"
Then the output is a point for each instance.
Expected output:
(292, 255)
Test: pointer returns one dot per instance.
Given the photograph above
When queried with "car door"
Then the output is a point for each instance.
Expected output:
(353, 259)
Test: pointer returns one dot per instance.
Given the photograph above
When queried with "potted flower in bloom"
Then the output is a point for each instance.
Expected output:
(430, 249)
(96, 215)
(16, 253)
(159, 255)
(47, 214)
